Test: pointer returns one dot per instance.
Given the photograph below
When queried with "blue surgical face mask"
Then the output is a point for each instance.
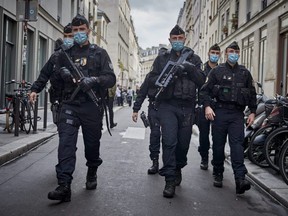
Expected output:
(233, 58)
(213, 58)
(80, 37)
(177, 45)
(68, 42)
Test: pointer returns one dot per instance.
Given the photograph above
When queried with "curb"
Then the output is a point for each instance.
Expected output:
(270, 184)
(262, 178)
(17, 148)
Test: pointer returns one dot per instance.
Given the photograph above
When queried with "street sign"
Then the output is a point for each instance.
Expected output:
(27, 10)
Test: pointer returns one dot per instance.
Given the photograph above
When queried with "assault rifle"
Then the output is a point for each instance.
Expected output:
(77, 75)
(169, 72)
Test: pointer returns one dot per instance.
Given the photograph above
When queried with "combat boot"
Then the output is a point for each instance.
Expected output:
(218, 178)
(91, 178)
(178, 175)
(169, 189)
(204, 163)
(154, 168)
(242, 185)
(62, 193)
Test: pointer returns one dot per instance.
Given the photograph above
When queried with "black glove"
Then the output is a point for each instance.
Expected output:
(65, 74)
(188, 67)
(86, 83)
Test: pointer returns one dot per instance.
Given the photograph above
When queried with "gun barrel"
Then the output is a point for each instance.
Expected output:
(77, 75)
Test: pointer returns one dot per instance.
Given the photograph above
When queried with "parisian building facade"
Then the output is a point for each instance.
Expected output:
(42, 33)
(123, 46)
(259, 27)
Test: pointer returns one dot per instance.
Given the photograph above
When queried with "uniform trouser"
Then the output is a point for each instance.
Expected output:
(204, 130)
(89, 117)
(155, 134)
(110, 103)
(228, 121)
(176, 126)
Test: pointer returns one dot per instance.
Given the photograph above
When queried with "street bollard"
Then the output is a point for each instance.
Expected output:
(35, 119)
(17, 116)
(45, 109)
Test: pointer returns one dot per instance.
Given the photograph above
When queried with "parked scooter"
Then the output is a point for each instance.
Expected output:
(256, 149)
(259, 117)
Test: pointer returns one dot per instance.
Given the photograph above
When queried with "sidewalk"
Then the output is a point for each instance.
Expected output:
(12, 147)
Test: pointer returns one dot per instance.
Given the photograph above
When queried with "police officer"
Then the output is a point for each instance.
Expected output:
(48, 72)
(231, 85)
(155, 134)
(203, 123)
(176, 106)
(78, 109)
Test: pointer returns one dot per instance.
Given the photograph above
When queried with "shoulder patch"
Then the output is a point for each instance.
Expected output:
(111, 65)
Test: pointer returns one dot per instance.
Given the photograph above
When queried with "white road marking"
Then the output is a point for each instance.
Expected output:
(134, 133)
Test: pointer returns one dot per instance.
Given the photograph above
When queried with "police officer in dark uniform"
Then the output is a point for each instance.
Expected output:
(96, 66)
(203, 123)
(155, 134)
(176, 108)
(48, 72)
(231, 85)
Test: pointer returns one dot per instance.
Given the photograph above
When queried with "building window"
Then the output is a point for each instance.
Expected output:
(227, 16)
(247, 52)
(283, 56)
(224, 28)
(262, 54)
(59, 10)
(9, 56)
(264, 4)
(248, 14)
(29, 56)
(42, 58)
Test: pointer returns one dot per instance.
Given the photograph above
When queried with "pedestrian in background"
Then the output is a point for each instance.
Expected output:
(232, 86)
(130, 94)
(80, 110)
(110, 104)
(203, 123)
(176, 107)
(119, 96)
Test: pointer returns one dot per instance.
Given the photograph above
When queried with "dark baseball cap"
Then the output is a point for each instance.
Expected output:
(215, 47)
(177, 30)
(79, 20)
(68, 28)
(234, 46)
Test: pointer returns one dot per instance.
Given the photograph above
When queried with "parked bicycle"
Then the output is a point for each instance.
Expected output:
(283, 161)
(23, 108)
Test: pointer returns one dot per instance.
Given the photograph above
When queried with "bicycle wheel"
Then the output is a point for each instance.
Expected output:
(256, 146)
(272, 146)
(283, 161)
(9, 118)
(25, 116)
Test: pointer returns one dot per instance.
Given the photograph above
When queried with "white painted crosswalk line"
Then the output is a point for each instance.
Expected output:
(134, 133)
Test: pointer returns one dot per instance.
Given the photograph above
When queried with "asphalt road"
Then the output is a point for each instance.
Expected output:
(124, 188)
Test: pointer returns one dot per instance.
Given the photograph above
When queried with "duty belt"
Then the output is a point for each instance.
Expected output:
(229, 106)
